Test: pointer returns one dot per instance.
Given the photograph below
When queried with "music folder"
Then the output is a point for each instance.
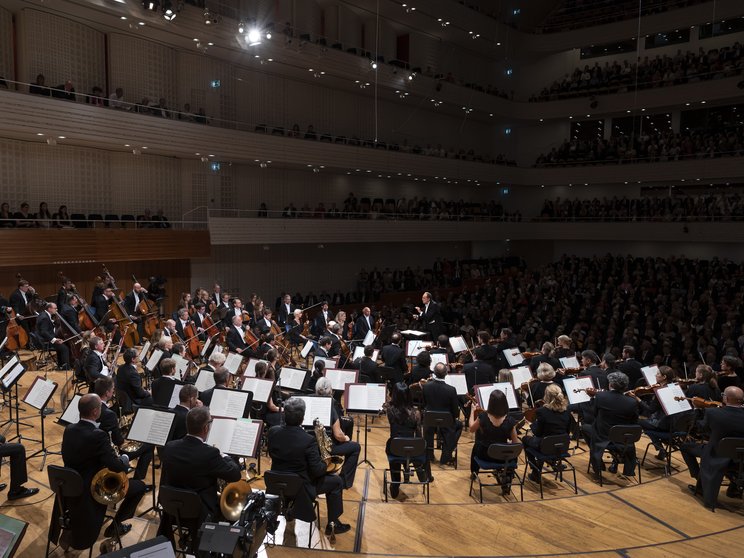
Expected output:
(457, 381)
(436, 358)
(181, 366)
(668, 402)
(483, 392)
(329, 362)
(230, 403)
(307, 348)
(233, 362)
(143, 353)
(71, 415)
(520, 375)
(359, 353)
(293, 378)
(513, 356)
(235, 436)
(458, 344)
(649, 373)
(154, 359)
(316, 407)
(168, 393)
(571, 385)
(250, 369)
(204, 380)
(569, 362)
(10, 373)
(369, 338)
(40, 392)
(364, 398)
(340, 377)
(151, 426)
(260, 387)
(413, 348)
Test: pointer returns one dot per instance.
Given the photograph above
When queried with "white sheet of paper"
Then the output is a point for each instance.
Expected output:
(233, 362)
(359, 353)
(174, 396)
(436, 358)
(569, 362)
(413, 348)
(292, 378)
(151, 426)
(329, 362)
(365, 397)
(513, 356)
(228, 403)
(369, 338)
(205, 348)
(39, 393)
(235, 436)
(250, 369)
(306, 349)
(155, 357)
(181, 366)
(340, 377)
(8, 366)
(671, 406)
(11, 376)
(649, 372)
(143, 352)
(205, 380)
(457, 381)
(71, 414)
(413, 332)
(217, 349)
(458, 344)
(571, 384)
(520, 375)
(316, 407)
(484, 392)
(260, 387)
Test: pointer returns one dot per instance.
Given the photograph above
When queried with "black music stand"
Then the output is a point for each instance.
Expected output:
(9, 383)
(43, 451)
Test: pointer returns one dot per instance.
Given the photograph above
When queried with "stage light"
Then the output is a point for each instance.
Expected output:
(254, 37)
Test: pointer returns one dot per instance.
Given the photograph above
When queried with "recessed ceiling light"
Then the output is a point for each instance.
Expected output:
(39, 134)
(126, 145)
(123, 17)
(144, 147)
(141, 23)
(61, 137)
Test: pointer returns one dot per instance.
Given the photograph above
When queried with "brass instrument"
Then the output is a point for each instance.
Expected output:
(107, 486)
(129, 446)
(333, 462)
(234, 495)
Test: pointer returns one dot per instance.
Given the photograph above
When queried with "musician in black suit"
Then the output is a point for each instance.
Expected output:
(236, 338)
(363, 324)
(87, 449)
(95, 363)
(102, 302)
(544, 356)
(68, 310)
(422, 370)
(393, 355)
(610, 408)
(190, 464)
(131, 305)
(161, 389)
(64, 292)
(630, 366)
(129, 381)
(440, 396)
(590, 361)
(293, 450)
(221, 375)
(723, 422)
(485, 352)
(18, 476)
(188, 398)
(478, 372)
(430, 316)
(286, 308)
(366, 366)
(264, 323)
(320, 322)
(323, 348)
(46, 333)
(19, 300)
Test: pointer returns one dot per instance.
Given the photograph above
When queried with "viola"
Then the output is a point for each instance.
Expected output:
(699, 402)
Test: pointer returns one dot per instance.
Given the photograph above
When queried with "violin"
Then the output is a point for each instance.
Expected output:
(699, 402)
(531, 414)
(530, 354)
(643, 390)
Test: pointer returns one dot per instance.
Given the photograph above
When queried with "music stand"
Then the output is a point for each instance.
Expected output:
(38, 395)
(9, 376)
(364, 409)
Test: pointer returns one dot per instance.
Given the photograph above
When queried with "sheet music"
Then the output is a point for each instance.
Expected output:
(569, 362)
(250, 369)
(649, 372)
(205, 380)
(260, 387)
(413, 348)
(570, 384)
(205, 348)
(666, 397)
(457, 381)
(520, 375)
(233, 362)
(13, 375)
(359, 353)
(513, 356)
(484, 392)
(155, 357)
(8, 365)
(237, 437)
(329, 362)
(369, 338)
(71, 414)
(458, 344)
(292, 378)
(217, 349)
(143, 352)
(365, 397)
(174, 396)
(436, 358)
(413, 332)
(339, 377)
(39, 392)
(228, 403)
(181, 366)
(316, 407)
(306, 349)
(151, 426)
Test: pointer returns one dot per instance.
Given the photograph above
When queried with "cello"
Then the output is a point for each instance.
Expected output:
(192, 339)
(16, 335)
(86, 315)
(148, 311)
(126, 325)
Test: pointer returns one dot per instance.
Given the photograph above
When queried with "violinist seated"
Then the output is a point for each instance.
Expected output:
(590, 361)
(45, 330)
(393, 355)
(705, 387)
(317, 373)
(269, 412)
(610, 408)
(723, 422)
(182, 320)
(440, 396)
(165, 344)
(486, 352)
(728, 375)
(342, 444)
(323, 348)
(422, 370)
(129, 381)
(545, 376)
(265, 322)
(545, 356)
(236, 309)
(630, 366)
(366, 366)
(656, 419)
(95, 365)
(443, 348)
(551, 419)
(478, 372)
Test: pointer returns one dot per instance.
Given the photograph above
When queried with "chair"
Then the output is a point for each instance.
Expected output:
(95, 220)
(46, 354)
(680, 427)
(287, 486)
(733, 448)
(553, 453)
(411, 453)
(79, 221)
(438, 420)
(127, 221)
(124, 403)
(502, 463)
(185, 506)
(67, 484)
(110, 218)
(622, 440)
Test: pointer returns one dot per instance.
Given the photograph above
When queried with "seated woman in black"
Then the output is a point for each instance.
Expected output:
(656, 420)
(405, 422)
(706, 385)
(492, 426)
(546, 374)
(551, 419)
(270, 412)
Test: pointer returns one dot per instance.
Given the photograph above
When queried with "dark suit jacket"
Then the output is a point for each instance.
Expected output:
(128, 380)
(632, 369)
(45, 327)
(431, 319)
(319, 324)
(162, 391)
(235, 340)
(179, 423)
(599, 376)
(191, 464)
(70, 315)
(722, 422)
(477, 373)
(93, 366)
(101, 305)
(489, 354)
(129, 303)
(394, 357)
(109, 422)
(439, 396)
(418, 373)
(612, 408)
(16, 302)
(284, 316)
(361, 327)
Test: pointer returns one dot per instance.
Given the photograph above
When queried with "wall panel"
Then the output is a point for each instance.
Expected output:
(142, 68)
(6, 44)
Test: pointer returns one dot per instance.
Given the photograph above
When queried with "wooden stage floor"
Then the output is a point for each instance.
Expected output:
(656, 518)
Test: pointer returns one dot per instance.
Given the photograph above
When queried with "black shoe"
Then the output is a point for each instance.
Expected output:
(124, 528)
(3, 486)
(394, 491)
(505, 490)
(733, 492)
(338, 528)
(662, 455)
(694, 489)
(22, 493)
(612, 468)
(534, 476)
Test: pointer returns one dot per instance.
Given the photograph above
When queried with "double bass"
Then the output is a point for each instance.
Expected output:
(124, 321)
(16, 335)
(148, 311)
(86, 315)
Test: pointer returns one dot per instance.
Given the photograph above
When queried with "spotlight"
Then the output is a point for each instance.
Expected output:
(268, 36)
(241, 27)
(151, 5)
(254, 37)
(373, 64)
(411, 76)
(168, 13)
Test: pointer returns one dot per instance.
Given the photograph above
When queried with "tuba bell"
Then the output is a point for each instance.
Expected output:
(234, 495)
(333, 462)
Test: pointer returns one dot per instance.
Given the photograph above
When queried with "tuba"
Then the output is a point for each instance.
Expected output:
(333, 462)
(108, 487)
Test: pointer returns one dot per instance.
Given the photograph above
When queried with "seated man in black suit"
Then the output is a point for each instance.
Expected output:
(221, 376)
(293, 450)
(46, 333)
(95, 363)
(393, 356)
(161, 388)
(422, 370)
(18, 476)
(87, 449)
(129, 381)
(191, 464)
(723, 422)
(366, 366)
(440, 396)
(188, 398)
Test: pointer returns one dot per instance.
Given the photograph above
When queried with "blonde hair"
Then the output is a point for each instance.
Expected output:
(545, 372)
(505, 375)
(554, 399)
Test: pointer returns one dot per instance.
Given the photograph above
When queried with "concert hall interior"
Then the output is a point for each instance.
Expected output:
(535, 193)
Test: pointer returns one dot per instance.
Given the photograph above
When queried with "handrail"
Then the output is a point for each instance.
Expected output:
(634, 160)
(75, 223)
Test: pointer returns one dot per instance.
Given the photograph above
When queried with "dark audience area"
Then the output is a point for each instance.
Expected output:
(63, 219)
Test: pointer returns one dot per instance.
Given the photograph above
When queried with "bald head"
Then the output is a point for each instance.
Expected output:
(734, 396)
(89, 406)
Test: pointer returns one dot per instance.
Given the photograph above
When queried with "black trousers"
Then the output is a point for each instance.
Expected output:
(17, 455)
(450, 437)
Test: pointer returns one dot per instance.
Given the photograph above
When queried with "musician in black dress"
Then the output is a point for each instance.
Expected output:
(270, 412)
(706, 385)
(551, 419)
(656, 420)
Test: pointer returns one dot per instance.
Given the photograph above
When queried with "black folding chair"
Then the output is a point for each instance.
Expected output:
(438, 420)
(622, 444)
(411, 454)
(287, 486)
(502, 463)
(680, 427)
(67, 485)
(553, 454)
(185, 506)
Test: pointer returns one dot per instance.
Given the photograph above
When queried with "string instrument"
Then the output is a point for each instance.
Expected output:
(275, 329)
(472, 400)
(526, 385)
(149, 312)
(643, 390)
(530, 354)
(86, 315)
(350, 333)
(119, 313)
(250, 338)
(71, 338)
(344, 347)
(531, 413)
(699, 402)
(209, 326)
(569, 371)
(111, 281)
(306, 329)
(193, 346)
(16, 335)
(378, 326)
